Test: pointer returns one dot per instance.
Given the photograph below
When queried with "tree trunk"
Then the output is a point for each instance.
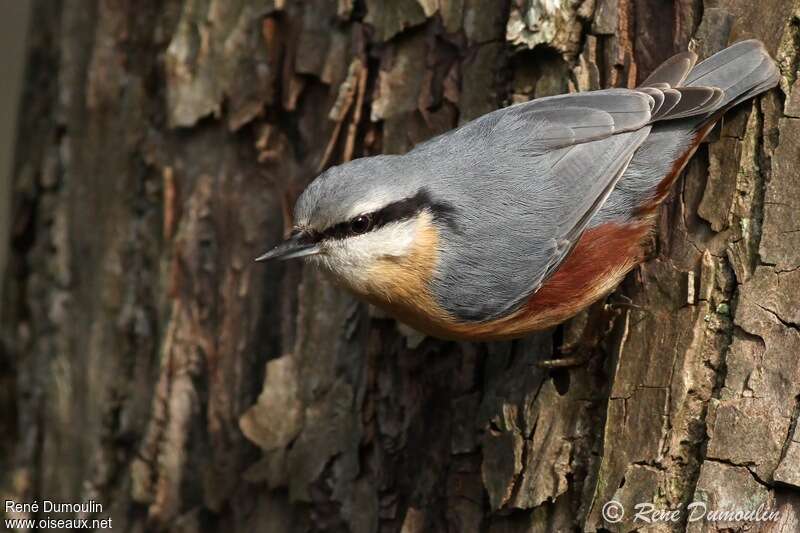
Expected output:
(154, 368)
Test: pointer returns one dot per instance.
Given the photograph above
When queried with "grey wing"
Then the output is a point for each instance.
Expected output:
(525, 181)
(550, 123)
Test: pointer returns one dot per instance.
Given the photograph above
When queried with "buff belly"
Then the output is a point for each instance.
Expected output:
(597, 264)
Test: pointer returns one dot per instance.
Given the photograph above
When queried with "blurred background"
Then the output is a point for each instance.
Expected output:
(148, 365)
(13, 33)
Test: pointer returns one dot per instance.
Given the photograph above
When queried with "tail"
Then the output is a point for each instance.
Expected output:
(741, 71)
(725, 79)
(688, 101)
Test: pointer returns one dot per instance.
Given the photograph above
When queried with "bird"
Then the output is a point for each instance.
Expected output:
(518, 220)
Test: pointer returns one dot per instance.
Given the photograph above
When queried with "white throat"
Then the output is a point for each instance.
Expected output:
(351, 259)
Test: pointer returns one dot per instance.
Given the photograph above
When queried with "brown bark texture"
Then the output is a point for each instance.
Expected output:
(148, 364)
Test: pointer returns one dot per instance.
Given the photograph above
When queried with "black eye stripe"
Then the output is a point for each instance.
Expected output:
(394, 212)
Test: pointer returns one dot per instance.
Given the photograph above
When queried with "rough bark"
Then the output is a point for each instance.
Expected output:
(160, 372)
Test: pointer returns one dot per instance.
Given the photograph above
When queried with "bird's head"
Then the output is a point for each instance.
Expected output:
(358, 218)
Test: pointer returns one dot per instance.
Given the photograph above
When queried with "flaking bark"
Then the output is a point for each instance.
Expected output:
(162, 373)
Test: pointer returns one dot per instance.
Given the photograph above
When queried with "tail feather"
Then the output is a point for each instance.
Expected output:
(730, 76)
(726, 78)
(740, 71)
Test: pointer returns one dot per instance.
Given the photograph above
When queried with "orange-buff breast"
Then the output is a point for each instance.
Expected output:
(600, 260)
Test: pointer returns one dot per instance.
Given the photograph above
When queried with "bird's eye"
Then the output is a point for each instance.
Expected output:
(361, 224)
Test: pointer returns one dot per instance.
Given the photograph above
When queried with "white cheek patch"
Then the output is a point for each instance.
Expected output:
(392, 240)
(351, 258)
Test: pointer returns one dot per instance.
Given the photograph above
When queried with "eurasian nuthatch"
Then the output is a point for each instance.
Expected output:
(519, 219)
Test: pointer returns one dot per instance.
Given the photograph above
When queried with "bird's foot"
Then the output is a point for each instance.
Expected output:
(570, 361)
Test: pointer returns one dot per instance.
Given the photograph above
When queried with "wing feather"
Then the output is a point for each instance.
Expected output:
(576, 220)
(672, 72)
(658, 99)
(557, 121)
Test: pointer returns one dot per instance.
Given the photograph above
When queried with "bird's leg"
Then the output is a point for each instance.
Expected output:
(566, 362)
(592, 329)
(628, 303)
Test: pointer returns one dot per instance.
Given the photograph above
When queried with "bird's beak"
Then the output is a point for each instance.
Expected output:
(297, 245)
